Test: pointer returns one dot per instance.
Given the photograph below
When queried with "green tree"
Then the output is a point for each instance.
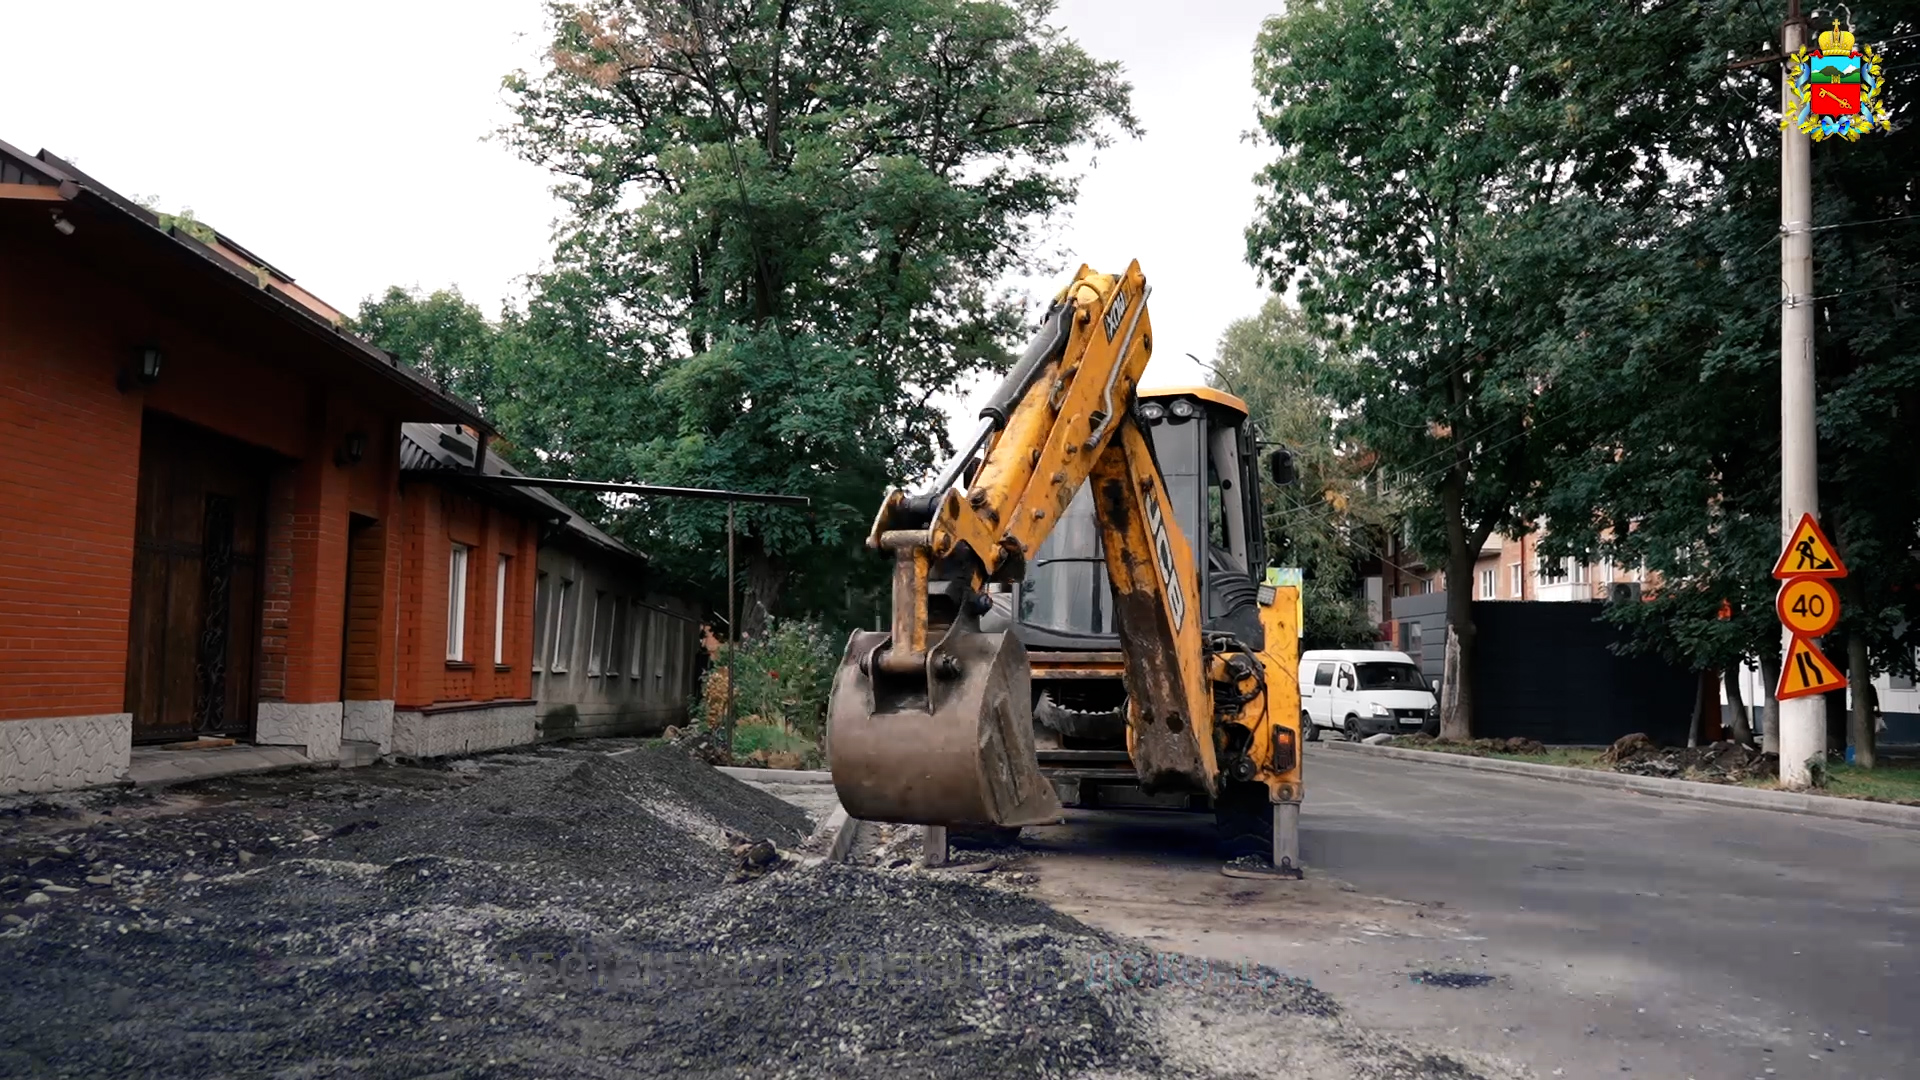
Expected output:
(783, 221)
(1436, 172)
(438, 334)
(1673, 339)
(1334, 514)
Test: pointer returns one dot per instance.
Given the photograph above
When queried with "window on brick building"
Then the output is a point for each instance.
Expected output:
(566, 618)
(1486, 583)
(457, 603)
(500, 612)
(1579, 569)
(1517, 580)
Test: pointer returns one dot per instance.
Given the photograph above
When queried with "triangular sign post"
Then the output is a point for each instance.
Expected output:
(1807, 671)
(1809, 554)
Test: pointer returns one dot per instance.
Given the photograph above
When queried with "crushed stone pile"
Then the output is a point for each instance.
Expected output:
(589, 918)
(627, 817)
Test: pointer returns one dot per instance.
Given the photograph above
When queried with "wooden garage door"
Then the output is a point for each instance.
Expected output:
(196, 583)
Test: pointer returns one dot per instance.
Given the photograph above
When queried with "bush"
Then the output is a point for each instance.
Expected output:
(781, 678)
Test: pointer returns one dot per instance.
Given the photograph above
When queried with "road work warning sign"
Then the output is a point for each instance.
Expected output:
(1809, 554)
(1808, 607)
(1807, 671)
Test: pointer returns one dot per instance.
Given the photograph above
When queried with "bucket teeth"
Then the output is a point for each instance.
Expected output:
(951, 745)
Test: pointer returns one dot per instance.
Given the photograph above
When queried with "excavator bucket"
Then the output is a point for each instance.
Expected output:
(948, 745)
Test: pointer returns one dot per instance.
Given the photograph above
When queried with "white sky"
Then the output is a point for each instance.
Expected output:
(346, 142)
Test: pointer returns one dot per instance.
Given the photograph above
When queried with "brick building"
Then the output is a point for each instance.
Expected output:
(583, 645)
(204, 529)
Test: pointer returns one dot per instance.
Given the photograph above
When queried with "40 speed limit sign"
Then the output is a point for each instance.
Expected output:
(1807, 606)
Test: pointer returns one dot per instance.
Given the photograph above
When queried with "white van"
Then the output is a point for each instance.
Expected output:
(1361, 692)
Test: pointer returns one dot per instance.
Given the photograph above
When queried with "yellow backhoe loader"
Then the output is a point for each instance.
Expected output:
(1082, 611)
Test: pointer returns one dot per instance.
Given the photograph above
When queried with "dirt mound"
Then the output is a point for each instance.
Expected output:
(1722, 762)
(1476, 746)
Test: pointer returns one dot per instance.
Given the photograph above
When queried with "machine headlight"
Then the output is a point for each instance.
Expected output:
(1152, 411)
(1381, 710)
(1182, 408)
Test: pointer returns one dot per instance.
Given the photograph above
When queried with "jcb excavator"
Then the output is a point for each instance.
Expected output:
(1082, 613)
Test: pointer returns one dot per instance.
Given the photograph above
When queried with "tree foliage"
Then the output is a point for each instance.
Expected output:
(1548, 227)
(785, 219)
(1334, 514)
(1437, 167)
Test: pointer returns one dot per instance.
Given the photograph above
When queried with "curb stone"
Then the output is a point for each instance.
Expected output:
(778, 776)
(1786, 802)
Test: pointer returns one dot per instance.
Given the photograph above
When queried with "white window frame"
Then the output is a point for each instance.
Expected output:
(636, 633)
(564, 627)
(1517, 579)
(500, 612)
(1578, 571)
(1487, 579)
(542, 619)
(616, 639)
(594, 641)
(457, 603)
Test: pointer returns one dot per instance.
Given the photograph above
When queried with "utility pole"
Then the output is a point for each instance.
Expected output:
(1803, 722)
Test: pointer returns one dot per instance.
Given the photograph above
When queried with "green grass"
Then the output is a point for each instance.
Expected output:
(1890, 782)
(748, 738)
(1573, 757)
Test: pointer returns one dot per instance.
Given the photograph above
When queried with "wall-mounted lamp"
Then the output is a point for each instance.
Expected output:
(145, 370)
(61, 223)
(352, 449)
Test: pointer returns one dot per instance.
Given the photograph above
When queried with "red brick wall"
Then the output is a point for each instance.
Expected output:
(71, 445)
(70, 439)
(434, 520)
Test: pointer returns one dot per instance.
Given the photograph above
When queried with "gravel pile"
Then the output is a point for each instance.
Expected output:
(589, 918)
(628, 818)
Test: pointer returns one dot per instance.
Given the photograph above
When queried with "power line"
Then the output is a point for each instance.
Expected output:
(1869, 221)
(1856, 292)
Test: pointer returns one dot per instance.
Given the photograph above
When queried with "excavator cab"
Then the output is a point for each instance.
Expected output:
(1082, 614)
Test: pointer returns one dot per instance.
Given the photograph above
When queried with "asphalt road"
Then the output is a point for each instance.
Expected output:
(1624, 934)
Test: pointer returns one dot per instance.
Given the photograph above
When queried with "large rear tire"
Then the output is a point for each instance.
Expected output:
(1243, 821)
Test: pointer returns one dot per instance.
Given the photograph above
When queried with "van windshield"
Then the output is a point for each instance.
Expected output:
(1378, 676)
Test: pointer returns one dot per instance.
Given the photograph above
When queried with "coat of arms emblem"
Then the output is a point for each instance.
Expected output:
(1836, 91)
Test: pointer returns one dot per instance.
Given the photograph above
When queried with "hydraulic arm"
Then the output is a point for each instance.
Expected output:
(931, 720)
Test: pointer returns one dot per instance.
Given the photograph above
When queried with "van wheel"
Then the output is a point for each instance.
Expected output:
(1353, 728)
(1312, 729)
